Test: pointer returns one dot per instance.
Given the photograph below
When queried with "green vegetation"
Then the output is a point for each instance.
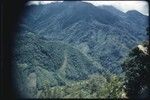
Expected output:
(75, 50)
(41, 61)
(95, 87)
(137, 69)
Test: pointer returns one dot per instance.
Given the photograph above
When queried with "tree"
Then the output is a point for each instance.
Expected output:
(148, 33)
(137, 72)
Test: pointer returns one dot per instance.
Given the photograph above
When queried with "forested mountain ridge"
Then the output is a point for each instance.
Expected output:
(62, 43)
(97, 28)
(40, 62)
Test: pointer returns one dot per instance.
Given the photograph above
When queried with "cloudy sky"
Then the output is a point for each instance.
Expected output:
(141, 6)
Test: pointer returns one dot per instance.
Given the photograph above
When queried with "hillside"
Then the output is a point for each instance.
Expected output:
(97, 28)
(56, 63)
(63, 43)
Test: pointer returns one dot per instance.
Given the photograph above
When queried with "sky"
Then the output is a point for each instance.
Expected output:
(141, 6)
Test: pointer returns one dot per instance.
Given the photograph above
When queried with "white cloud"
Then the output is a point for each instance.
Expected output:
(40, 2)
(141, 6)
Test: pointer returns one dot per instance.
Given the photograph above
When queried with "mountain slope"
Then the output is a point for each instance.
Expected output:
(99, 28)
(41, 61)
(62, 43)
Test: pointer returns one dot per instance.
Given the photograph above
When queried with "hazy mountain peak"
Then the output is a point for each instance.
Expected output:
(61, 43)
(113, 10)
(134, 12)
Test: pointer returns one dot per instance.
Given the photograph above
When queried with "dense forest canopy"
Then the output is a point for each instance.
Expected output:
(78, 50)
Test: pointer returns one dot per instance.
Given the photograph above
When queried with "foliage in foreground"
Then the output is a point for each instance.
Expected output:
(137, 72)
(95, 87)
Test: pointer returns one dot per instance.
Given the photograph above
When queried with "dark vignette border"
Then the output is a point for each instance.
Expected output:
(11, 11)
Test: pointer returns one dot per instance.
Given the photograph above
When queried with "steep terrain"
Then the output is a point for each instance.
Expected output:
(96, 28)
(41, 62)
(62, 43)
